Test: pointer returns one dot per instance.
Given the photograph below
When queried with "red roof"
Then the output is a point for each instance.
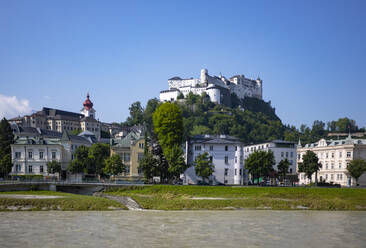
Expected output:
(87, 103)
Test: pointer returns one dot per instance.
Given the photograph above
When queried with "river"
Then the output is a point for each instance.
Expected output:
(247, 228)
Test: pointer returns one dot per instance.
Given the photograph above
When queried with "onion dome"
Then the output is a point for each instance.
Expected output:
(87, 103)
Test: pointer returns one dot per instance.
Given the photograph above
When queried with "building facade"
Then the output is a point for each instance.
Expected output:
(217, 88)
(60, 120)
(334, 156)
(34, 147)
(131, 150)
(226, 153)
(281, 150)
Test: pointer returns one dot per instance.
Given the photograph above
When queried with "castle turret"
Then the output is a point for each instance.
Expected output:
(88, 110)
(204, 74)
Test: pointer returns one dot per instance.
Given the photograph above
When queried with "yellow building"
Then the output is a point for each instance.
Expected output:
(131, 150)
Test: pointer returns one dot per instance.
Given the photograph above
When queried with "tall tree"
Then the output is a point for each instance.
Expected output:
(310, 165)
(81, 162)
(98, 153)
(203, 166)
(53, 167)
(6, 139)
(151, 106)
(260, 163)
(148, 164)
(114, 165)
(175, 157)
(282, 167)
(168, 125)
(356, 168)
(136, 114)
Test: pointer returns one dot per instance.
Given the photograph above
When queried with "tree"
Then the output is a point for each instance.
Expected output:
(260, 163)
(81, 162)
(151, 106)
(148, 163)
(5, 165)
(356, 168)
(97, 154)
(75, 132)
(136, 114)
(204, 166)
(168, 125)
(53, 167)
(175, 157)
(282, 167)
(180, 96)
(310, 165)
(6, 139)
(114, 165)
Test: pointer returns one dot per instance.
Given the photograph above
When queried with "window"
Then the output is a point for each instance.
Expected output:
(17, 154)
(30, 154)
(236, 148)
(292, 154)
(340, 176)
(41, 169)
(332, 154)
(286, 154)
(326, 155)
(332, 166)
(126, 157)
(226, 171)
(326, 166)
(348, 154)
(326, 176)
(141, 145)
(18, 168)
(331, 177)
(40, 155)
(53, 155)
(236, 171)
(226, 160)
(281, 154)
(30, 169)
(298, 156)
(340, 154)
(340, 165)
(226, 148)
(197, 148)
(211, 148)
(290, 170)
(240, 171)
(236, 159)
(127, 169)
(140, 156)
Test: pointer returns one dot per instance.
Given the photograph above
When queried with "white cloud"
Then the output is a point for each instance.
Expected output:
(11, 107)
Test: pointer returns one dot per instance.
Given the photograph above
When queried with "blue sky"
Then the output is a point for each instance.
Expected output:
(310, 54)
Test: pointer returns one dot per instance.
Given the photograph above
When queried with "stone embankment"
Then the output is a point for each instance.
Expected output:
(125, 200)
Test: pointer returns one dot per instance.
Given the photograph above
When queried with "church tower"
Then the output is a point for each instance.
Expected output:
(88, 110)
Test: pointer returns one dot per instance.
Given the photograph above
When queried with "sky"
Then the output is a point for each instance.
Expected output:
(310, 54)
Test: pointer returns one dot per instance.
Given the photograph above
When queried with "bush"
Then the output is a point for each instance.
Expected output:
(29, 177)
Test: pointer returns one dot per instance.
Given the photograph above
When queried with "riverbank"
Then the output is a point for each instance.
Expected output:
(50, 200)
(165, 197)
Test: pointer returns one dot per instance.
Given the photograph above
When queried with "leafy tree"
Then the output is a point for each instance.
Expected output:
(148, 164)
(136, 114)
(97, 154)
(151, 106)
(53, 167)
(175, 157)
(105, 134)
(114, 165)
(6, 139)
(310, 165)
(75, 132)
(356, 168)
(5, 165)
(180, 96)
(260, 163)
(81, 162)
(204, 166)
(282, 167)
(200, 130)
(168, 125)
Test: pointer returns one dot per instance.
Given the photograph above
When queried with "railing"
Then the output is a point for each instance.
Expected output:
(69, 182)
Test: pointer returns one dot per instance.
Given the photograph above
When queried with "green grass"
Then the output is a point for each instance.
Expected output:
(68, 202)
(164, 197)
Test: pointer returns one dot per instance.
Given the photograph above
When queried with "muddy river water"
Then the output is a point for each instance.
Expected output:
(247, 228)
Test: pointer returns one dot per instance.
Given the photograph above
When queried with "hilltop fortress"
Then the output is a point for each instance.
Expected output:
(218, 88)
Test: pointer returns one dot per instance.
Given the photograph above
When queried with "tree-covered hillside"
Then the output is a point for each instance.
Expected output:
(252, 120)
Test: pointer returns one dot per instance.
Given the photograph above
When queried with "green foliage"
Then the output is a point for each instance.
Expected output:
(180, 96)
(200, 129)
(81, 162)
(6, 139)
(260, 163)
(175, 157)
(151, 106)
(204, 166)
(356, 168)
(53, 167)
(105, 134)
(114, 165)
(75, 132)
(168, 125)
(343, 125)
(136, 114)
(97, 154)
(282, 167)
(310, 164)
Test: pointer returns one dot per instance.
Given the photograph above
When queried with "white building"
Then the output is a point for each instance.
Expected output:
(34, 147)
(334, 155)
(226, 153)
(218, 88)
(281, 150)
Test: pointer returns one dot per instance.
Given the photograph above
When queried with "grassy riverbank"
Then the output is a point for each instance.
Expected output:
(280, 198)
(42, 200)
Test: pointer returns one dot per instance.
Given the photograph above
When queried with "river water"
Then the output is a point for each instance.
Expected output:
(247, 228)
